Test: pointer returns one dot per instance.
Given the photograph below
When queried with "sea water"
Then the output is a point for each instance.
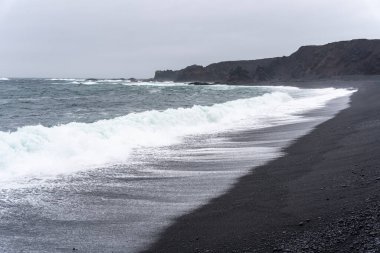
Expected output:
(105, 165)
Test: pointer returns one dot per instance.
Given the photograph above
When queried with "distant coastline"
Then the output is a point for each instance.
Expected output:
(345, 58)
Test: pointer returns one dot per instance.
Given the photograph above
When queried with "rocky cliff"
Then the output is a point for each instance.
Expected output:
(355, 57)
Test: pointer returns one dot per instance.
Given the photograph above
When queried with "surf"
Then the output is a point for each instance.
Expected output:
(44, 151)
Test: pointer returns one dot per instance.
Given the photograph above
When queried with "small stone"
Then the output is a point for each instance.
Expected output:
(301, 224)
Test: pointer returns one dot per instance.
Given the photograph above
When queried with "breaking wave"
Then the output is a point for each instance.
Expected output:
(44, 151)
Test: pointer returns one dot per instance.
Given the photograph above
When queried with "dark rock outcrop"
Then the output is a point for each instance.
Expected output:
(201, 83)
(355, 57)
(133, 80)
(216, 72)
(166, 75)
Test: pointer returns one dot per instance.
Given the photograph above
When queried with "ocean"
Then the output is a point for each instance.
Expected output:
(106, 165)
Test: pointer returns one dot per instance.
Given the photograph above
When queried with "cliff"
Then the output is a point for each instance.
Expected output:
(355, 57)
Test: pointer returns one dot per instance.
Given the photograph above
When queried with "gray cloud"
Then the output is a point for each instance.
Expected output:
(123, 38)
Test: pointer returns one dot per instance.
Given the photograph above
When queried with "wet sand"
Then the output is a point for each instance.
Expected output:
(321, 196)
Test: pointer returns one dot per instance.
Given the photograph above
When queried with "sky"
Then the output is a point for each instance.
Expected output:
(133, 38)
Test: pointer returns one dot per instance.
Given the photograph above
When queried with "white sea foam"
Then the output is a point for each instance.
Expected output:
(4, 79)
(45, 151)
(129, 83)
(160, 84)
(102, 81)
(89, 82)
(64, 79)
(114, 81)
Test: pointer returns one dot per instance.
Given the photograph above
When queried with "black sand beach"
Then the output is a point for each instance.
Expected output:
(321, 196)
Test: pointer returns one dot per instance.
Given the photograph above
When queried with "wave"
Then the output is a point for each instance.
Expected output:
(45, 151)
(127, 82)
(4, 79)
(65, 79)
(114, 81)
(130, 83)
(89, 82)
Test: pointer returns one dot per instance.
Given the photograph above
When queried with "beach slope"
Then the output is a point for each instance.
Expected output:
(321, 196)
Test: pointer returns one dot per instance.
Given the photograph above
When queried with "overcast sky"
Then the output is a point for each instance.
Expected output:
(133, 38)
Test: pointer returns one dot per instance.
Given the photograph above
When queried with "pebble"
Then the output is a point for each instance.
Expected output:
(356, 229)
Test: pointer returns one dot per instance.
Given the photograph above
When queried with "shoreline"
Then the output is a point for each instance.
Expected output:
(125, 208)
(321, 196)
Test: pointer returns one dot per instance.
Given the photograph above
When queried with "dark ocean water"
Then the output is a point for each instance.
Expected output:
(51, 102)
(104, 166)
